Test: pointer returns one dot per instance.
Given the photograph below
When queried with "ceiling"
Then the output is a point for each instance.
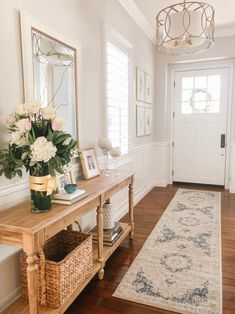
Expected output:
(224, 10)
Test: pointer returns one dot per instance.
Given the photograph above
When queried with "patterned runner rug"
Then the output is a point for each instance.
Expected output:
(179, 266)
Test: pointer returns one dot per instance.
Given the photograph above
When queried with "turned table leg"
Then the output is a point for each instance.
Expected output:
(32, 278)
(100, 240)
(131, 210)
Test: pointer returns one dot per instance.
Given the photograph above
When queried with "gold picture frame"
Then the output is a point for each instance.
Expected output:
(89, 163)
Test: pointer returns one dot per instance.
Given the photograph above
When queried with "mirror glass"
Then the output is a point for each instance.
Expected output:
(54, 65)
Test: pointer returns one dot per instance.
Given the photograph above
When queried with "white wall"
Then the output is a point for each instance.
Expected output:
(80, 20)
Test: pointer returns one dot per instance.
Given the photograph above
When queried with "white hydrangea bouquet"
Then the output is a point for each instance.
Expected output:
(39, 144)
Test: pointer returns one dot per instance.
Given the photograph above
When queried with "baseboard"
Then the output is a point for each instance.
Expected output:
(162, 184)
(121, 210)
(10, 298)
(232, 189)
(142, 191)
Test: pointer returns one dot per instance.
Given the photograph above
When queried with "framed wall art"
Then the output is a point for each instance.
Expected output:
(148, 88)
(148, 121)
(140, 85)
(140, 120)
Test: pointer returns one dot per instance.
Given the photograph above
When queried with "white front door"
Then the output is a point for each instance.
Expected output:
(200, 116)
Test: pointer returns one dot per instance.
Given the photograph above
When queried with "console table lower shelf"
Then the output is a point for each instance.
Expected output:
(21, 306)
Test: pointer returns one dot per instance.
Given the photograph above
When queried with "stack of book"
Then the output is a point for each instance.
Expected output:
(110, 236)
(69, 199)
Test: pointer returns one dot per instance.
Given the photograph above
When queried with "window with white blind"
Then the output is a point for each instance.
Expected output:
(118, 94)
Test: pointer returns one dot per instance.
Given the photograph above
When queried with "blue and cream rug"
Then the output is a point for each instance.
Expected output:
(179, 266)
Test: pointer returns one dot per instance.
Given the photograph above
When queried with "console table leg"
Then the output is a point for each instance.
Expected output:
(131, 210)
(101, 274)
(32, 278)
(100, 240)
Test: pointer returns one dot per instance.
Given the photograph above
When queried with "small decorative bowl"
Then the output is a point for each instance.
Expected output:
(70, 188)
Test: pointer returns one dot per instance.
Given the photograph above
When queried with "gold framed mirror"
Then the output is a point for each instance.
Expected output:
(51, 65)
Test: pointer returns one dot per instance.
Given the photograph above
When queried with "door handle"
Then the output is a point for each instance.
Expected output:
(222, 141)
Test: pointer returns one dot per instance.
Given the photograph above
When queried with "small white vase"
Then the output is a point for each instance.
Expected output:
(108, 214)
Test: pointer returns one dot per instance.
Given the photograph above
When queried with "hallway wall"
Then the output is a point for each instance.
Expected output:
(81, 21)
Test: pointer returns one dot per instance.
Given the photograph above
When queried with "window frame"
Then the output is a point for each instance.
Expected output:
(110, 34)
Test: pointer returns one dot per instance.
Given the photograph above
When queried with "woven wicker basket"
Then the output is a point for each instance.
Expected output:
(64, 262)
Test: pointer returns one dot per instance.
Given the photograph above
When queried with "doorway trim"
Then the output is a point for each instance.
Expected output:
(192, 66)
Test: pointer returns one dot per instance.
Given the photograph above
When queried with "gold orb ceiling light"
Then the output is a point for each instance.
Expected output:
(185, 28)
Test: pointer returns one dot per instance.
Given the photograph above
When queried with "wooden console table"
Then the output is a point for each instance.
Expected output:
(21, 228)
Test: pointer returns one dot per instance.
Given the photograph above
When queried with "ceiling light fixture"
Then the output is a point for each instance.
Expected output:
(185, 28)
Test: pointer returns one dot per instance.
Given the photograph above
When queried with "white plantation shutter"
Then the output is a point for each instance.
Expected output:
(117, 93)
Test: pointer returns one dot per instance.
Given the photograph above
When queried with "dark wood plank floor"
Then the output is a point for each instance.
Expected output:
(97, 296)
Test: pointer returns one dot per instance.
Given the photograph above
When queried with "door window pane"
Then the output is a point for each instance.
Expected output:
(214, 81)
(187, 108)
(214, 93)
(214, 107)
(200, 106)
(187, 83)
(200, 94)
(186, 94)
(200, 82)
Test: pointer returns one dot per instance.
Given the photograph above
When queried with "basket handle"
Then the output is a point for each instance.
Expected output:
(79, 226)
(42, 263)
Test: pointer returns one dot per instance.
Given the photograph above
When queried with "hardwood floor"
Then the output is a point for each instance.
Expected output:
(97, 297)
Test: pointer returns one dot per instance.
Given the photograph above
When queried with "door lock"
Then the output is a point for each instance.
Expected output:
(222, 141)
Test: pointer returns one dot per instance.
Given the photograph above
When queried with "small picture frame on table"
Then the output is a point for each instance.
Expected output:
(89, 163)
(63, 179)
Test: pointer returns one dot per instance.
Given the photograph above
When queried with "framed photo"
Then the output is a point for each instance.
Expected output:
(89, 163)
(63, 179)
(140, 120)
(140, 85)
(148, 121)
(148, 88)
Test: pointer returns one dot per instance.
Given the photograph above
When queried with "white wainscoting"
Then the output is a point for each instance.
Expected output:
(9, 274)
(161, 163)
(11, 193)
(232, 169)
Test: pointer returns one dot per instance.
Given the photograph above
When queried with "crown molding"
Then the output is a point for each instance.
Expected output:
(139, 18)
(225, 31)
(136, 14)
